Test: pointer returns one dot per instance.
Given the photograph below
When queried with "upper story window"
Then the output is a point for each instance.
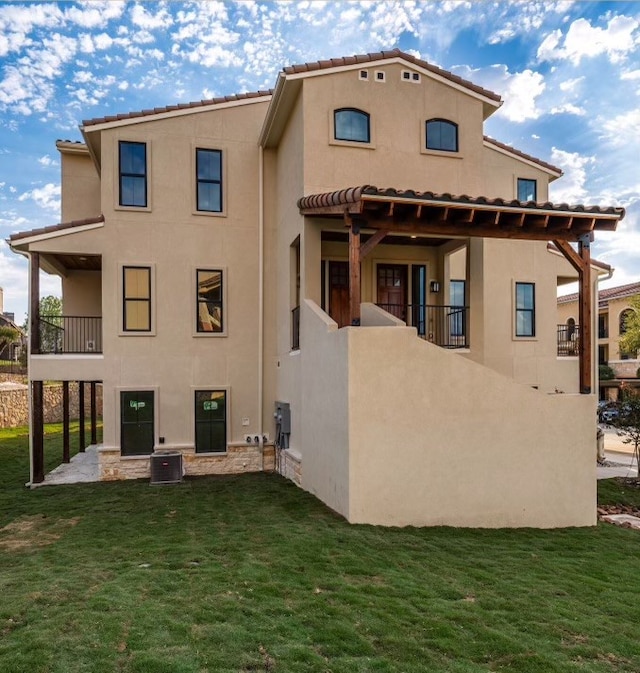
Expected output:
(352, 125)
(136, 298)
(210, 301)
(442, 135)
(209, 180)
(133, 174)
(525, 310)
(527, 190)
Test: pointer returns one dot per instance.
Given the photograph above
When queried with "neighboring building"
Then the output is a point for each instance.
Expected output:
(226, 260)
(613, 307)
(10, 351)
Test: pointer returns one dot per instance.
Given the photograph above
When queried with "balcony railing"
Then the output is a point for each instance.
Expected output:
(568, 340)
(70, 334)
(445, 326)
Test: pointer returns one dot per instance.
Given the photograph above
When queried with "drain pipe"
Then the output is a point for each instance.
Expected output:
(260, 294)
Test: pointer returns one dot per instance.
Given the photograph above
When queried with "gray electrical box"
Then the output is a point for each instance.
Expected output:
(282, 416)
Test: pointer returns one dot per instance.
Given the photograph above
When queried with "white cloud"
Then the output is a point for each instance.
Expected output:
(46, 160)
(94, 14)
(631, 75)
(617, 130)
(570, 85)
(571, 187)
(582, 40)
(47, 197)
(568, 108)
(149, 21)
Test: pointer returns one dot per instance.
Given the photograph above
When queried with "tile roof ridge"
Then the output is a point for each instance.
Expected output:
(389, 54)
(56, 227)
(178, 106)
(522, 154)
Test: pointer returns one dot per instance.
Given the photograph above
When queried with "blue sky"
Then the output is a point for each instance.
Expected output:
(569, 73)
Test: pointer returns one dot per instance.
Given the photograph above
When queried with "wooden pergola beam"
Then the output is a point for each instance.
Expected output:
(369, 245)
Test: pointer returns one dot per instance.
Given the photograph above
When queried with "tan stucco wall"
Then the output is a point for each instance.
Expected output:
(464, 454)
(80, 187)
(323, 409)
(420, 453)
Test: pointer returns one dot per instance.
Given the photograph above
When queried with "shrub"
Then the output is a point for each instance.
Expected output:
(605, 373)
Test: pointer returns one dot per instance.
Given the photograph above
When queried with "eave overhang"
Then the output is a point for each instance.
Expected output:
(435, 214)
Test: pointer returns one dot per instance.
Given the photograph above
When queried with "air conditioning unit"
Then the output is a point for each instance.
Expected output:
(166, 467)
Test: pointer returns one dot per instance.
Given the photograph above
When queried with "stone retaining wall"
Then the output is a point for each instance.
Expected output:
(14, 404)
(291, 466)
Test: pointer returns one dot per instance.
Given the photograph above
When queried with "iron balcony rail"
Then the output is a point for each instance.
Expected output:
(445, 326)
(568, 340)
(70, 334)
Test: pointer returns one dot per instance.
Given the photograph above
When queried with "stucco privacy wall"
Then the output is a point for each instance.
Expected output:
(323, 408)
(14, 404)
(503, 467)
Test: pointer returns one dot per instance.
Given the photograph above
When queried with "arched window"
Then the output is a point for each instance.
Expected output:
(442, 135)
(351, 124)
(623, 320)
(627, 313)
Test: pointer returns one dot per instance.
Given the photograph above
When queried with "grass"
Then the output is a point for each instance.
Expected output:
(249, 573)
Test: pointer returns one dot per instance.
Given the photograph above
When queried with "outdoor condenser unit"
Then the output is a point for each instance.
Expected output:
(166, 467)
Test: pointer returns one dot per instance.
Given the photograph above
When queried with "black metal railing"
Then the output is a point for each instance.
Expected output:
(445, 326)
(70, 334)
(295, 328)
(568, 340)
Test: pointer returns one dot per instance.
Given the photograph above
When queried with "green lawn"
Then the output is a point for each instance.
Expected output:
(249, 573)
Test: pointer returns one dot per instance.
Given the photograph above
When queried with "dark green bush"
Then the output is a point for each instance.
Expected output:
(605, 373)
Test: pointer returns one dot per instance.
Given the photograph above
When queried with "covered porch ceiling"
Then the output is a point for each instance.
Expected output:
(393, 211)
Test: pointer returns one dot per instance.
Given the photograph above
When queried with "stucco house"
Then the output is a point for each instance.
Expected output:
(613, 308)
(351, 254)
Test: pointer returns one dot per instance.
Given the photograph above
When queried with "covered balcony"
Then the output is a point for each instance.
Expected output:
(370, 216)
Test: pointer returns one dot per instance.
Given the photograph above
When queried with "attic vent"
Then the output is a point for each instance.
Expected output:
(363, 74)
(380, 76)
(409, 76)
(166, 467)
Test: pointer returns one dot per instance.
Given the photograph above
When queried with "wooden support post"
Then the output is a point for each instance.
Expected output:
(37, 433)
(354, 271)
(81, 438)
(66, 454)
(94, 435)
(584, 313)
(581, 262)
(34, 302)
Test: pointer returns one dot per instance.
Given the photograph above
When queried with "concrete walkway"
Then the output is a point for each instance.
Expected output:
(83, 468)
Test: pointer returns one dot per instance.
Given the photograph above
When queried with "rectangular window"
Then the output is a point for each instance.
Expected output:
(525, 310)
(133, 174)
(136, 422)
(136, 298)
(211, 421)
(457, 312)
(209, 180)
(209, 303)
(527, 190)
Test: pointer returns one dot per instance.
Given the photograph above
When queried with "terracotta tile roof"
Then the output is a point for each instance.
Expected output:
(513, 150)
(179, 106)
(354, 194)
(56, 227)
(382, 55)
(606, 295)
